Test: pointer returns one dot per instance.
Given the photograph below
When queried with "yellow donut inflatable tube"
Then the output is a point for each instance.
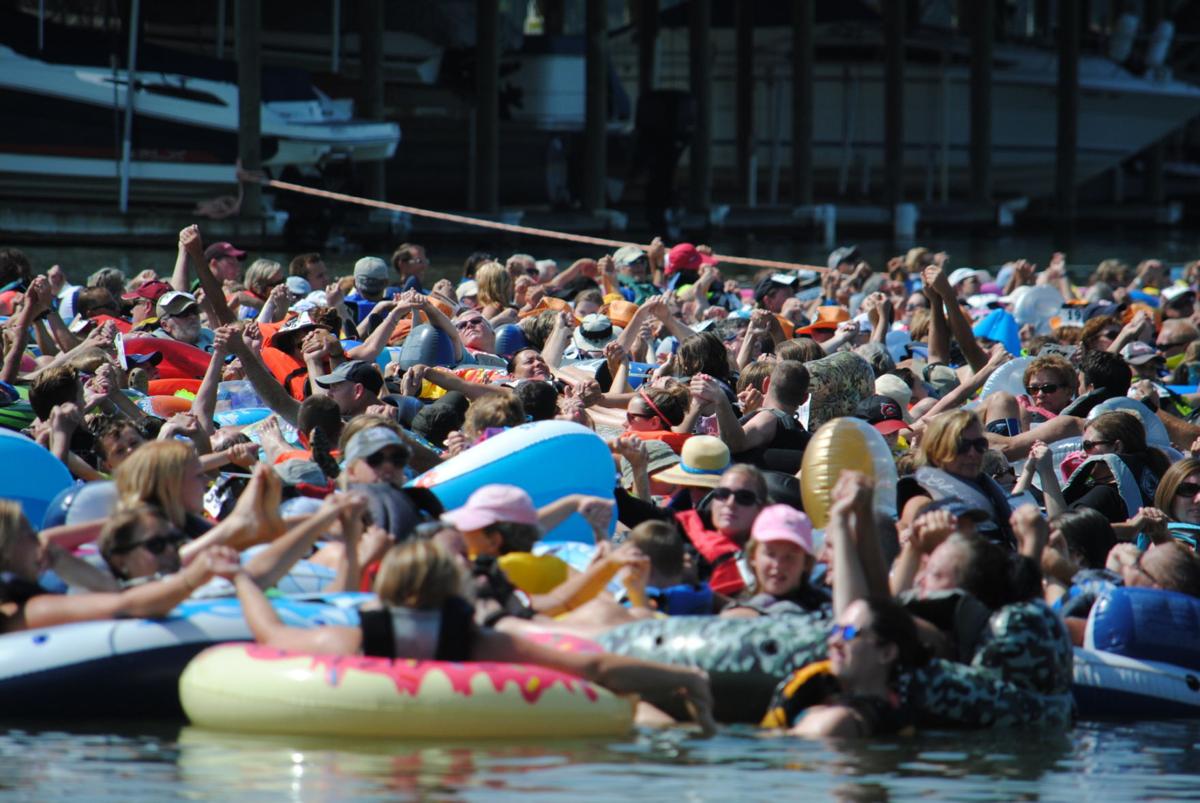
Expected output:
(253, 689)
(845, 444)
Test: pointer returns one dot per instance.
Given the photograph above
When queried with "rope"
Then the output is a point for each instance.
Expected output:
(511, 227)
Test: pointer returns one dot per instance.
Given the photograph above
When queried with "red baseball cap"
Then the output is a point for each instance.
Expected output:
(152, 290)
(685, 257)
(217, 250)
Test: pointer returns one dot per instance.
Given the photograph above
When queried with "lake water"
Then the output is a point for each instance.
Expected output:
(143, 762)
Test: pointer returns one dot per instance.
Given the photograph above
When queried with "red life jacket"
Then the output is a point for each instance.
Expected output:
(721, 552)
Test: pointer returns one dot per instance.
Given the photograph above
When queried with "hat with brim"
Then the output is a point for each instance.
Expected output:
(594, 333)
(546, 303)
(367, 442)
(620, 312)
(493, 504)
(659, 456)
(176, 302)
(828, 318)
(702, 461)
(888, 426)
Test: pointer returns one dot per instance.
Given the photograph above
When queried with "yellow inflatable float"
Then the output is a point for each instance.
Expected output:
(253, 689)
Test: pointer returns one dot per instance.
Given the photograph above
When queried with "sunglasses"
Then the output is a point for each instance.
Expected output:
(1111, 334)
(742, 497)
(157, 544)
(460, 325)
(846, 633)
(1047, 388)
(1087, 446)
(967, 444)
(1165, 346)
(393, 456)
(1187, 489)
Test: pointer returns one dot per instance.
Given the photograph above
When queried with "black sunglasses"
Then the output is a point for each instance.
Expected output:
(1087, 446)
(394, 456)
(1187, 489)
(967, 444)
(1047, 388)
(157, 544)
(742, 497)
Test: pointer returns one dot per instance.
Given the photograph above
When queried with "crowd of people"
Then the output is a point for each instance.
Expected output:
(1076, 473)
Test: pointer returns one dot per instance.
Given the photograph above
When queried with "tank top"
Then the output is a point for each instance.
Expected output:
(445, 634)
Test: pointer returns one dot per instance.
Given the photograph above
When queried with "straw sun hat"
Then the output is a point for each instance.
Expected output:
(702, 461)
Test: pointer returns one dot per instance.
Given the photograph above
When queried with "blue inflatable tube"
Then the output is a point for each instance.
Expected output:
(549, 459)
(246, 415)
(389, 355)
(30, 475)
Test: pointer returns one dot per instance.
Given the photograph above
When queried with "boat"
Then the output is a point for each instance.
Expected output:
(184, 132)
(1120, 112)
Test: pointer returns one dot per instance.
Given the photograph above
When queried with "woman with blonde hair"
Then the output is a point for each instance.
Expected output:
(422, 615)
(495, 289)
(168, 475)
(951, 467)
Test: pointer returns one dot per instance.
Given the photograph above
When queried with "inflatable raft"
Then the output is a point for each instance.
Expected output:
(1141, 656)
(131, 667)
(255, 689)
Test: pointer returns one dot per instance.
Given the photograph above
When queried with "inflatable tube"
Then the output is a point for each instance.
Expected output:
(1111, 686)
(130, 667)
(1146, 623)
(745, 658)
(241, 417)
(1037, 305)
(32, 476)
(180, 361)
(169, 387)
(256, 689)
(236, 394)
(165, 406)
(1156, 430)
(94, 500)
(549, 459)
(17, 415)
(1009, 378)
(846, 444)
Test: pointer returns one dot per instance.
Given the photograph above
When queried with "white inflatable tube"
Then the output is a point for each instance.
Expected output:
(1111, 686)
(548, 459)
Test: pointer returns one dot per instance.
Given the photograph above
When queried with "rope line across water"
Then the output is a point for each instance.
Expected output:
(513, 228)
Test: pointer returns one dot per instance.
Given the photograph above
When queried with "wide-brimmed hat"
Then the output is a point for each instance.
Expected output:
(594, 332)
(702, 461)
(620, 312)
(829, 317)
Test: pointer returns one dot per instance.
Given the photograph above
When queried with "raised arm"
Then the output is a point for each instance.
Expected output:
(935, 277)
(190, 239)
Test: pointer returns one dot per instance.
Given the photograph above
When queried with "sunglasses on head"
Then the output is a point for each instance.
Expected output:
(1087, 446)
(743, 497)
(1188, 489)
(1047, 388)
(393, 456)
(967, 444)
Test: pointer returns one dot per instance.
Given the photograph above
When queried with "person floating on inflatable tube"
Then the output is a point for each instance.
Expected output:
(423, 616)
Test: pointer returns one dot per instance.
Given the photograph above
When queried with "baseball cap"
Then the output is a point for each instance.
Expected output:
(1177, 293)
(492, 504)
(769, 283)
(783, 523)
(847, 253)
(468, 289)
(1139, 353)
(152, 290)
(685, 257)
(370, 274)
(881, 412)
(217, 250)
(367, 442)
(626, 255)
(962, 274)
(175, 302)
(360, 371)
(298, 285)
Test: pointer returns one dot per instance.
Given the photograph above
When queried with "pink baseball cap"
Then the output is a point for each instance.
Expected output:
(783, 523)
(685, 256)
(491, 504)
